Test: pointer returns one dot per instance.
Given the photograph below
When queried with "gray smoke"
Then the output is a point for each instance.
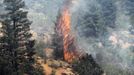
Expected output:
(43, 14)
(113, 48)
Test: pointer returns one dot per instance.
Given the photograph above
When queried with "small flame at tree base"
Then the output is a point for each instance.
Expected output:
(70, 51)
(69, 56)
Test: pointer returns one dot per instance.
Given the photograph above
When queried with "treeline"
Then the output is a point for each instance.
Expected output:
(102, 14)
(98, 23)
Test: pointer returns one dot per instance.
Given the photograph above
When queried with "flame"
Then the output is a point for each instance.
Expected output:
(64, 30)
(68, 40)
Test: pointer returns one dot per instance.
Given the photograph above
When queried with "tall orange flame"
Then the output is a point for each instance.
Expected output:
(64, 29)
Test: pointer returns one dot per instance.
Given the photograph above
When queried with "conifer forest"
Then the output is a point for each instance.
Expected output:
(66, 37)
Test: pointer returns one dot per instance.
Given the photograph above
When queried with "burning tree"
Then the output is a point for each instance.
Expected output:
(63, 32)
(85, 64)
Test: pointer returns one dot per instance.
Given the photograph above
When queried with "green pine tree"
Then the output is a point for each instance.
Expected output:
(17, 42)
(91, 24)
(87, 66)
(6, 66)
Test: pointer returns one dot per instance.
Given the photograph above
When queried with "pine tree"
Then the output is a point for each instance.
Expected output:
(130, 8)
(57, 42)
(108, 9)
(91, 24)
(5, 53)
(17, 31)
(87, 66)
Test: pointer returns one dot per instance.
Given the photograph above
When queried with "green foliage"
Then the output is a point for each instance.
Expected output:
(101, 15)
(87, 66)
(129, 5)
(109, 11)
(92, 24)
(17, 47)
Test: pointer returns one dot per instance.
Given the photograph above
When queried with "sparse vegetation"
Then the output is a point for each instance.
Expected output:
(86, 66)
(105, 30)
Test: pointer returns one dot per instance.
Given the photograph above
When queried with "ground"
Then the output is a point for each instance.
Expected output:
(55, 67)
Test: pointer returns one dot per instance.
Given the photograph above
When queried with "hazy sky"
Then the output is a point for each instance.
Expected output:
(43, 13)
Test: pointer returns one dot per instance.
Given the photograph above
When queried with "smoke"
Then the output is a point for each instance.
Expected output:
(113, 48)
(43, 14)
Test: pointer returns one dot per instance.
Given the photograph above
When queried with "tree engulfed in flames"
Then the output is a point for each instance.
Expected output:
(63, 28)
